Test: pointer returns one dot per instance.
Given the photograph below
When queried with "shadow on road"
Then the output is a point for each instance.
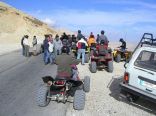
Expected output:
(140, 103)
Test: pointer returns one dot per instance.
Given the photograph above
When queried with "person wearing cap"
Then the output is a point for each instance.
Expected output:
(123, 45)
(81, 45)
(103, 37)
(26, 46)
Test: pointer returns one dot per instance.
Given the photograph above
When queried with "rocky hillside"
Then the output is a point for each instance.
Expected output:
(14, 24)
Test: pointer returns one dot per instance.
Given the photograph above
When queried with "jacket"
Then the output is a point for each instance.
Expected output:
(90, 41)
(64, 63)
(58, 44)
(81, 44)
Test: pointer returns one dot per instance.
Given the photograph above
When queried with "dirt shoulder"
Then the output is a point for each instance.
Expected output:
(102, 100)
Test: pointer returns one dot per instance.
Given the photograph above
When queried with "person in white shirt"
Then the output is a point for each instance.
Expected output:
(81, 45)
(51, 51)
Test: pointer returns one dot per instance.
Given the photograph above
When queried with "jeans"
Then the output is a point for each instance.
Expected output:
(26, 50)
(51, 57)
(23, 50)
(46, 56)
(81, 51)
(74, 74)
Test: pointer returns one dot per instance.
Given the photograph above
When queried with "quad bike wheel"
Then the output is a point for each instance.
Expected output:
(86, 86)
(110, 66)
(118, 58)
(79, 100)
(41, 98)
(93, 67)
(86, 58)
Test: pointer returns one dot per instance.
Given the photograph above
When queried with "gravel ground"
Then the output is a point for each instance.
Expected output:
(103, 100)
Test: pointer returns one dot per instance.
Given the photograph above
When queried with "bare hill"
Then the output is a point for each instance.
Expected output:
(14, 24)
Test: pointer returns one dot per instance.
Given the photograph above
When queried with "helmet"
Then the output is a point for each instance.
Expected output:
(121, 39)
(102, 32)
(79, 31)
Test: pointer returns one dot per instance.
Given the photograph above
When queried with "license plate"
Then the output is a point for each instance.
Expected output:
(147, 84)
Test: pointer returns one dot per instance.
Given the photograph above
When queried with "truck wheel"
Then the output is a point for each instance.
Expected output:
(118, 58)
(110, 66)
(79, 100)
(86, 58)
(93, 67)
(86, 86)
(41, 98)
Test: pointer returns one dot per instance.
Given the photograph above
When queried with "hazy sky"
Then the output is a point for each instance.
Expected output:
(119, 18)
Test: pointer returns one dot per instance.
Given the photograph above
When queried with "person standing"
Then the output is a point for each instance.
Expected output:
(81, 45)
(26, 46)
(34, 43)
(23, 50)
(57, 45)
(97, 38)
(46, 49)
(51, 51)
(91, 40)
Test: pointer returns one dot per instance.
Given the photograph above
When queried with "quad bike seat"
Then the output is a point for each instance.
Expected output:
(102, 49)
(63, 76)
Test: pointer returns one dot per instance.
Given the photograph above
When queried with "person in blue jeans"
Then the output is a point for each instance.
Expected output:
(46, 49)
(51, 52)
(81, 45)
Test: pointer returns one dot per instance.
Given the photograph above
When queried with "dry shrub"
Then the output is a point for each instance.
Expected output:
(34, 21)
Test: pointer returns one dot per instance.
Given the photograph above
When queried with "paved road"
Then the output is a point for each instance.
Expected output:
(19, 79)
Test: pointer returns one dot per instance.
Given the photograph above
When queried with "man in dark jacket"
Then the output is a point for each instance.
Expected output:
(46, 49)
(22, 44)
(67, 65)
(123, 46)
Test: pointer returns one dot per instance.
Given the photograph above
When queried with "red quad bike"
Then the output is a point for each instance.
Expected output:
(101, 58)
(60, 88)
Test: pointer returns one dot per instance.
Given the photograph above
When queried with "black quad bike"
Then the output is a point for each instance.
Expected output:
(60, 88)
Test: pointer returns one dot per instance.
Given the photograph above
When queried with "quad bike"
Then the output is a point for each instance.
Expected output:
(101, 58)
(60, 88)
(87, 52)
(119, 55)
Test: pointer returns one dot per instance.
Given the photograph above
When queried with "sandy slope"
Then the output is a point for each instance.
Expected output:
(14, 24)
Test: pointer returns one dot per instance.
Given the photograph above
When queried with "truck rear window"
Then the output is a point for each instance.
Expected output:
(146, 60)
